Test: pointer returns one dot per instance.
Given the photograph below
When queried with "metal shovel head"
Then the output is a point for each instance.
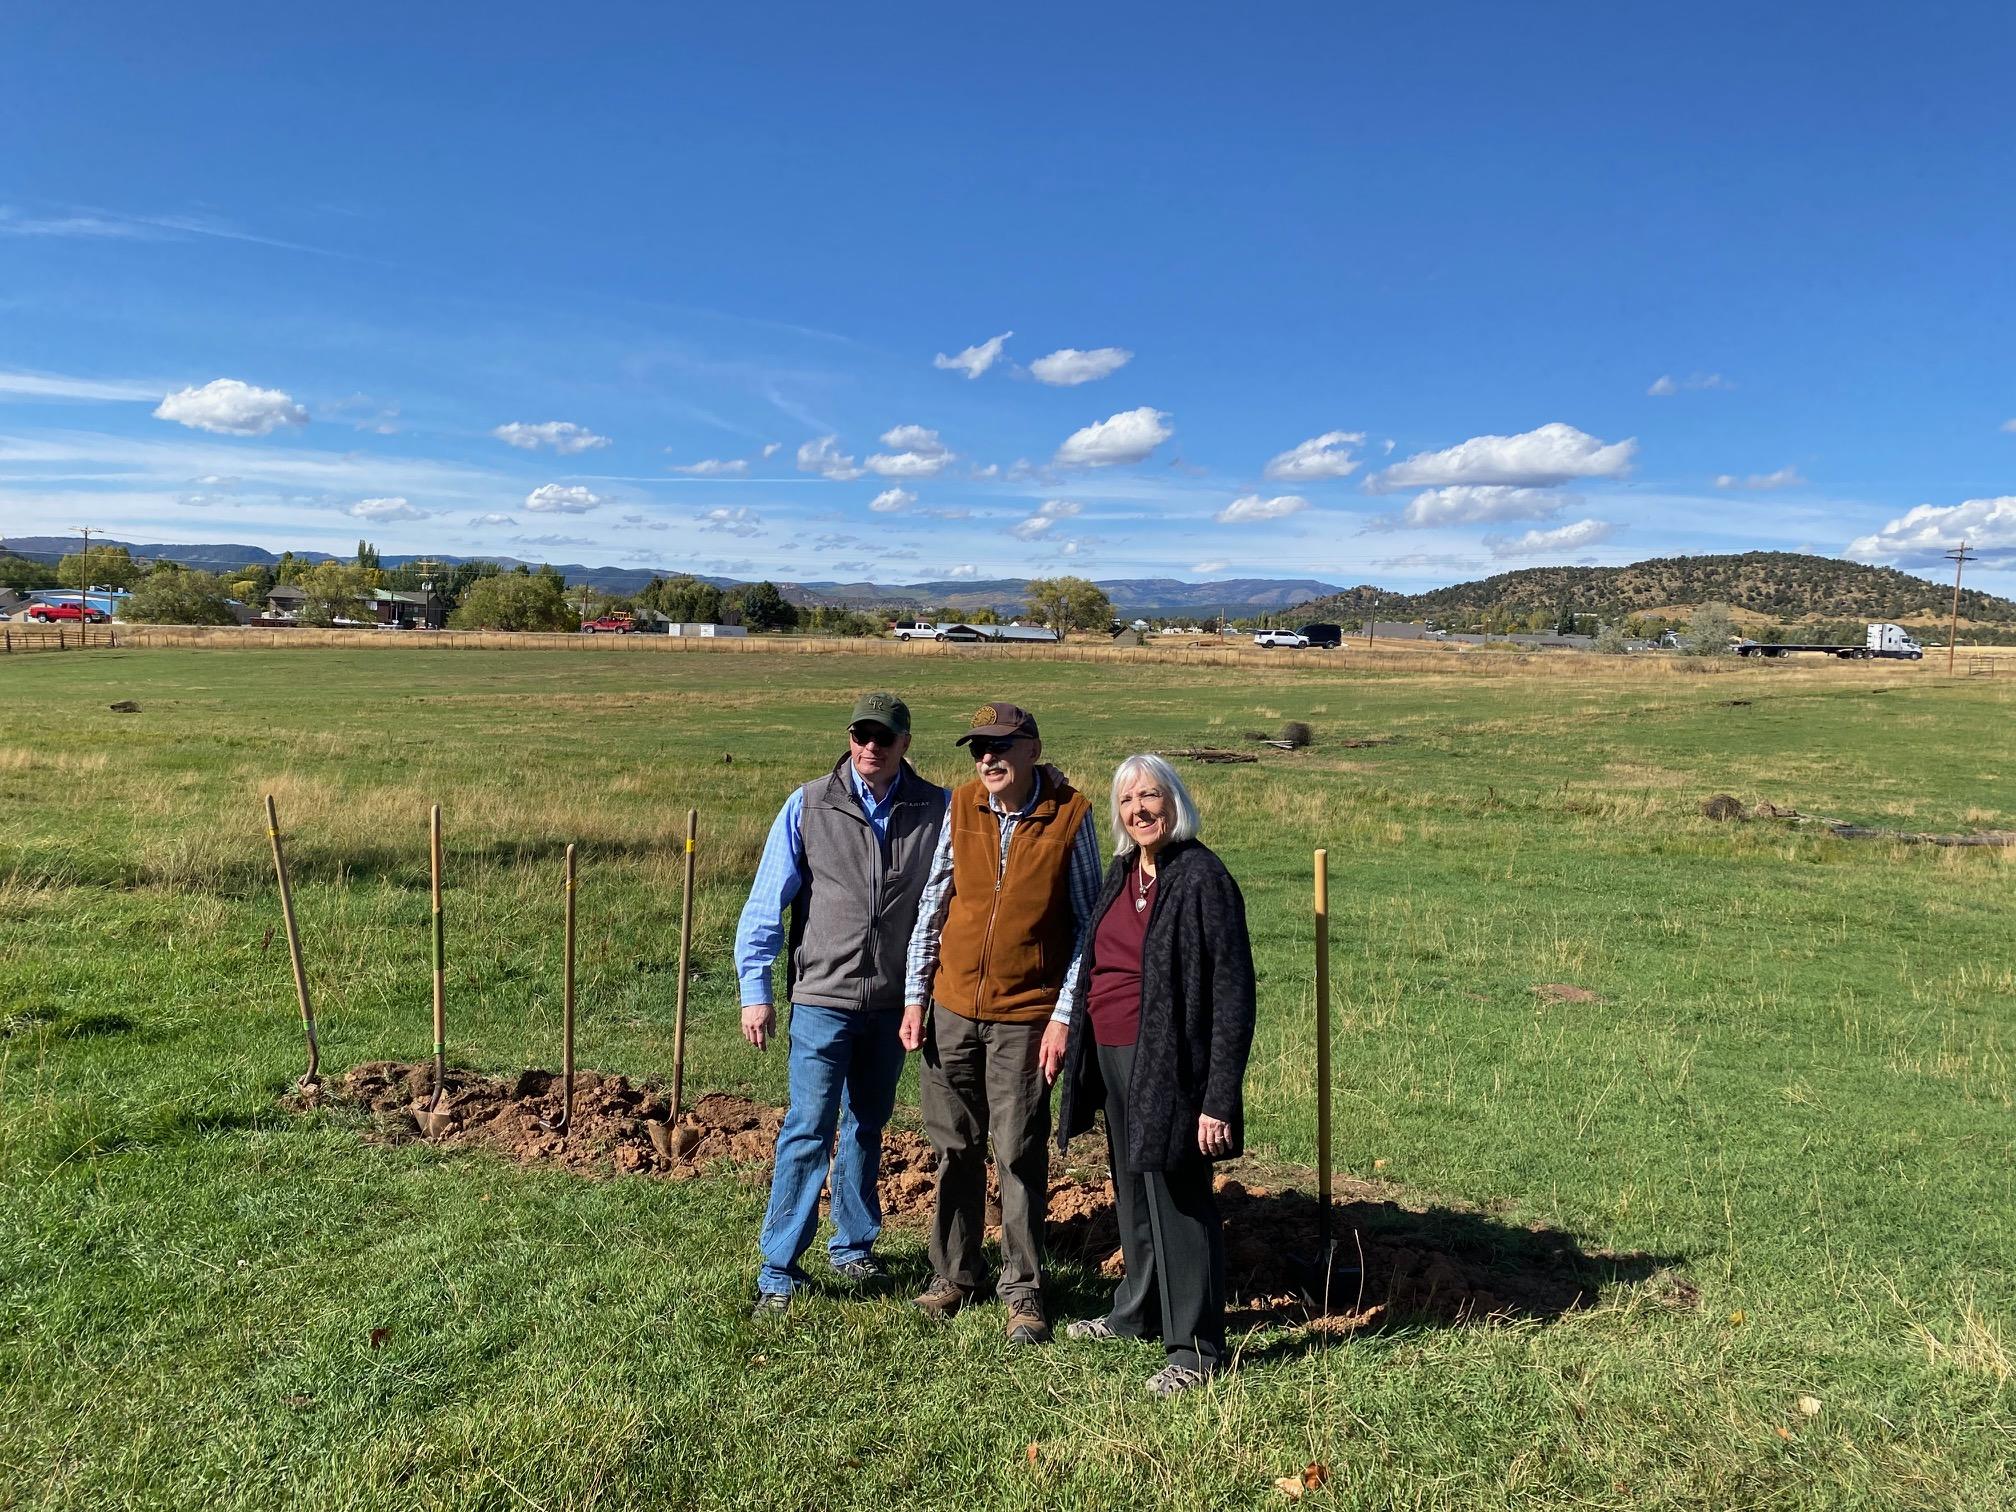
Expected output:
(673, 1141)
(432, 1122)
(1324, 1278)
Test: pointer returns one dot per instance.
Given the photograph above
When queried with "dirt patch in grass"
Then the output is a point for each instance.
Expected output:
(1399, 1262)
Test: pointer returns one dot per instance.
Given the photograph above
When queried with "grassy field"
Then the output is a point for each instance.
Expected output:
(1791, 1098)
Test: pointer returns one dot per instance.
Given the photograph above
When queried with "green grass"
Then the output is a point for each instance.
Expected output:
(1796, 1088)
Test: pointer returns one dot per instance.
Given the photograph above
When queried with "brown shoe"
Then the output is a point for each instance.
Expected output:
(941, 1299)
(1026, 1324)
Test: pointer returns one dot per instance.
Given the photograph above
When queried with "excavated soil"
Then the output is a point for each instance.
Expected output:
(1450, 1265)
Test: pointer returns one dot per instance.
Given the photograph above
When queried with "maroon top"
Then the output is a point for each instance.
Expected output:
(1115, 996)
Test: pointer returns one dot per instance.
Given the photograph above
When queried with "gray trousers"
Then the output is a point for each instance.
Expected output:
(1171, 1239)
(979, 1079)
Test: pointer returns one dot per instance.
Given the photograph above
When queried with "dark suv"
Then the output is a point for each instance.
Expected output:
(1320, 634)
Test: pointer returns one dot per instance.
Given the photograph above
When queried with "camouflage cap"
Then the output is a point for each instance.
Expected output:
(884, 709)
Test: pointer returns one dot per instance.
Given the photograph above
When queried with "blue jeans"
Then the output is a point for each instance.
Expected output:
(844, 1066)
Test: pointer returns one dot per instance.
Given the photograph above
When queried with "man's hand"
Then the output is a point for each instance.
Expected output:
(910, 1033)
(1051, 1055)
(1214, 1135)
(759, 1022)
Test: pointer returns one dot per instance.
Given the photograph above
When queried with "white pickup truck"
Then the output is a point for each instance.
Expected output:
(1279, 638)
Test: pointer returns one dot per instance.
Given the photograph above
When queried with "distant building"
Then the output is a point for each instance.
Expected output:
(691, 629)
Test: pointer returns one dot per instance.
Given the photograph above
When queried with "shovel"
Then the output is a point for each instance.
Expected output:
(434, 1120)
(566, 1118)
(312, 1077)
(1318, 1276)
(673, 1139)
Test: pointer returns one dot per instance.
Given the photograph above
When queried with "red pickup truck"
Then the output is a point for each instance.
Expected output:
(50, 614)
(609, 624)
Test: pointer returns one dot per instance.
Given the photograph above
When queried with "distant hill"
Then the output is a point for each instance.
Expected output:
(1777, 584)
(1237, 597)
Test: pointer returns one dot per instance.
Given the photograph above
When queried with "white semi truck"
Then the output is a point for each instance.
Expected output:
(1887, 642)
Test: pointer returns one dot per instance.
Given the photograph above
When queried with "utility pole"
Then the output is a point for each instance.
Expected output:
(1959, 559)
(84, 586)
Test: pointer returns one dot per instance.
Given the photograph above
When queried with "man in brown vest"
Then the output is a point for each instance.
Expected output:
(1000, 936)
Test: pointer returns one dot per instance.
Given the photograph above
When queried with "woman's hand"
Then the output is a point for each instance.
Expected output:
(1214, 1135)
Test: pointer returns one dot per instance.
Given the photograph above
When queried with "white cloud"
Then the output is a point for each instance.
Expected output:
(771, 448)
(550, 540)
(1785, 477)
(915, 452)
(1068, 548)
(825, 458)
(1922, 536)
(713, 467)
(555, 498)
(493, 519)
(226, 407)
(1032, 527)
(54, 386)
(1666, 385)
(1554, 542)
(975, 360)
(1470, 504)
(1126, 437)
(2008, 426)
(386, 509)
(963, 570)
(892, 500)
(1252, 507)
(1060, 509)
(1068, 367)
(564, 436)
(740, 521)
(1208, 567)
(1552, 454)
(957, 512)
(1324, 456)
(984, 474)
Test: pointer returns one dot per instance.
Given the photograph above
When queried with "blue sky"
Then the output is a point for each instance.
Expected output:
(1399, 294)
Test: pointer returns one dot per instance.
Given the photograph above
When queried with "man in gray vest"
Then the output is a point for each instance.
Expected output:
(847, 856)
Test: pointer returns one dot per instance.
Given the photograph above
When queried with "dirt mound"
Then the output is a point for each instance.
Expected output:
(512, 1116)
(1444, 1264)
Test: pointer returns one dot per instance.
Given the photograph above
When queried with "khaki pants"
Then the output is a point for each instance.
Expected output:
(980, 1079)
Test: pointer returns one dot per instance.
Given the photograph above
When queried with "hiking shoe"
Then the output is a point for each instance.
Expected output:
(863, 1272)
(1026, 1324)
(1092, 1328)
(941, 1299)
(770, 1307)
(1174, 1380)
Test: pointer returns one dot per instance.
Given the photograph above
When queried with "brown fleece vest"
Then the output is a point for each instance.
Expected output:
(1008, 934)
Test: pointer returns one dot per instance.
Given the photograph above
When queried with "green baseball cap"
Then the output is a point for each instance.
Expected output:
(884, 709)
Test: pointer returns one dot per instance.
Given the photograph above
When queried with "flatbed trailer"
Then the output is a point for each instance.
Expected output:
(1880, 643)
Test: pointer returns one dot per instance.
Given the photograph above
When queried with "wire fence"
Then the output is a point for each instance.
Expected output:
(1384, 658)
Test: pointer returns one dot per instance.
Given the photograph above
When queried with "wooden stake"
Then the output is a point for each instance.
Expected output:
(440, 961)
(1324, 1238)
(685, 950)
(567, 1009)
(311, 1078)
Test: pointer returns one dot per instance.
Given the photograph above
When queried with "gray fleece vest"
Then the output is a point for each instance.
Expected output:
(851, 920)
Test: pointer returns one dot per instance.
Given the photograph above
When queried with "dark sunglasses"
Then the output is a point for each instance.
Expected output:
(872, 735)
(985, 748)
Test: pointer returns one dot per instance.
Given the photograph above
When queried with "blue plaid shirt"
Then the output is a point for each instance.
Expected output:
(759, 938)
(1085, 878)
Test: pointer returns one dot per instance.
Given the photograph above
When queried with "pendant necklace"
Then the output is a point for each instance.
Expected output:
(1142, 882)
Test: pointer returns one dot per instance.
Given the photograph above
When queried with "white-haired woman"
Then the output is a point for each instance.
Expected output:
(1161, 1046)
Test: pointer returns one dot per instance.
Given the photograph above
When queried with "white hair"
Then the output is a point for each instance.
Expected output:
(1182, 823)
